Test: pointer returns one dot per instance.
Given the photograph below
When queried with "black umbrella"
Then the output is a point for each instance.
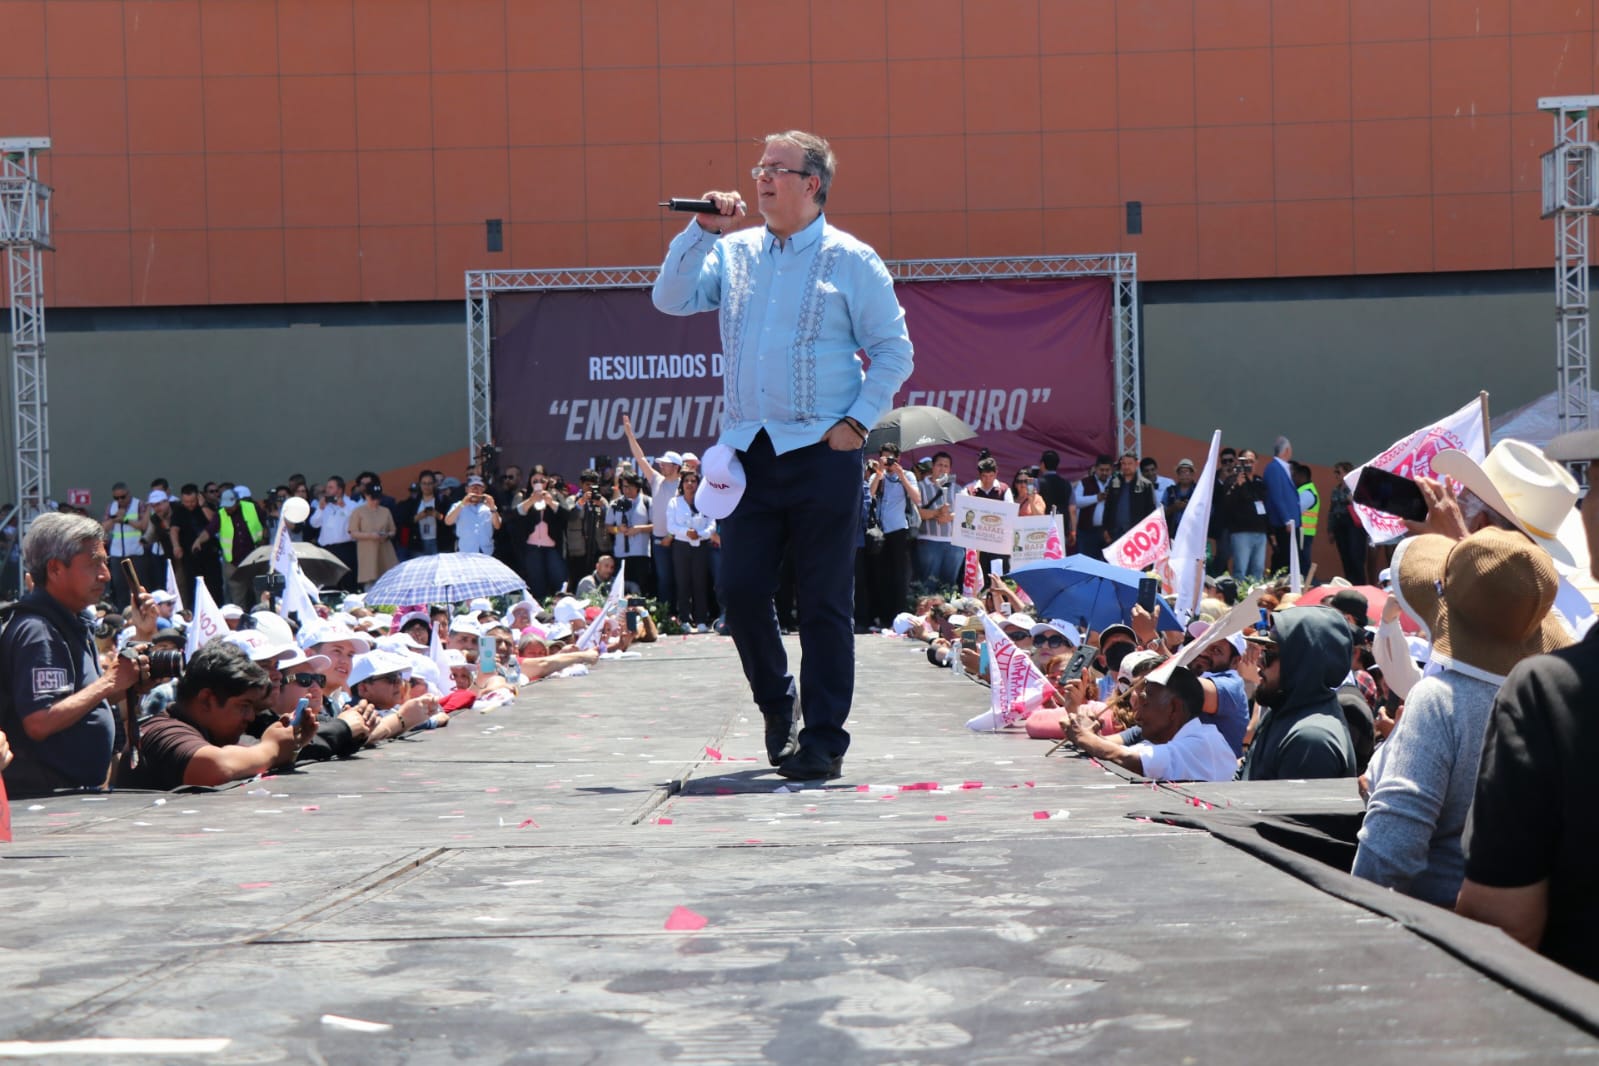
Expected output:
(917, 427)
(318, 564)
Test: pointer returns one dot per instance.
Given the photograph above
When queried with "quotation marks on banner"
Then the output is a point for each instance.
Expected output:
(1040, 396)
(560, 407)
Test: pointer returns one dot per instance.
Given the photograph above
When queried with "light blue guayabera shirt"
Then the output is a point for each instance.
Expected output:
(793, 317)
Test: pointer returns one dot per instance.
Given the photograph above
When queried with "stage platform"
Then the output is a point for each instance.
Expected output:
(607, 872)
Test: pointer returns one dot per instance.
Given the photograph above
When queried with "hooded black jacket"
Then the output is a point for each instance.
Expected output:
(1307, 736)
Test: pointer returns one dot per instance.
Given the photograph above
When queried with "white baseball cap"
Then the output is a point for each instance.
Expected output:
(480, 605)
(377, 664)
(559, 631)
(690, 457)
(317, 663)
(400, 642)
(464, 624)
(1061, 626)
(672, 457)
(258, 646)
(230, 611)
(1021, 621)
(1196, 629)
(568, 609)
(328, 631)
(721, 482)
(455, 657)
(157, 496)
(163, 596)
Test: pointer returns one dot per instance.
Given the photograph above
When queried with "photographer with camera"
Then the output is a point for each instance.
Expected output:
(56, 704)
(586, 534)
(544, 509)
(894, 491)
(474, 518)
(1243, 507)
(196, 741)
(631, 525)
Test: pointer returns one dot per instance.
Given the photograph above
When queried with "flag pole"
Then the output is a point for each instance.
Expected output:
(1482, 399)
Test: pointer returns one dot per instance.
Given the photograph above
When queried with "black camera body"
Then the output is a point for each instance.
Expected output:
(164, 663)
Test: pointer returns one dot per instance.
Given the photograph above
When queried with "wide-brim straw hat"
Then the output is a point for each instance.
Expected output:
(1486, 600)
(1528, 488)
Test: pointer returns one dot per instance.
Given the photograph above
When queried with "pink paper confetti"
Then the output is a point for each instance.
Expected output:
(663, 821)
(255, 884)
(723, 790)
(1042, 816)
(1029, 784)
(527, 822)
(684, 920)
(491, 790)
(971, 784)
(940, 817)
(713, 753)
(863, 788)
(920, 786)
(313, 808)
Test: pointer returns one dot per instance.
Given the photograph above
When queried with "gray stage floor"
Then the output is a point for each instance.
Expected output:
(606, 872)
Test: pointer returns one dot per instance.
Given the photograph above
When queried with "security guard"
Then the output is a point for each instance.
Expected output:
(1309, 514)
(56, 706)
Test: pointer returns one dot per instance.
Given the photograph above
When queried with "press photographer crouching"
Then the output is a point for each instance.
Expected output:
(196, 742)
(59, 710)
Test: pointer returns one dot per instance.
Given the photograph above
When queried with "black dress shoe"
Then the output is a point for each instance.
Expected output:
(782, 735)
(808, 765)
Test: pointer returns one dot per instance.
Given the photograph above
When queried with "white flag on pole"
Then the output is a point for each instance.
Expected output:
(1141, 547)
(299, 595)
(1017, 687)
(1188, 543)
(208, 621)
(284, 561)
(1411, 457)
(172, 587)
(613, 603)
(436, 653)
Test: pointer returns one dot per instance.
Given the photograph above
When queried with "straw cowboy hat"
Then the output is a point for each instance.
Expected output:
(1486, 600)
(1528, 488)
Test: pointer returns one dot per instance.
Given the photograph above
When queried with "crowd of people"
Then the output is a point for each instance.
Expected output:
(1466, 739)
(101, 696)
(1462, 741)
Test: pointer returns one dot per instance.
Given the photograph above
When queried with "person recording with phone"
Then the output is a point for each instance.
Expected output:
(544, 508)
(896, 497)
(57, 703)
(1243, 506)
(474, 518)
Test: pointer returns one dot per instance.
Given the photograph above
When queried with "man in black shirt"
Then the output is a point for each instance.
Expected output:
(1531, 867)
(56, 706)
(196, 553)
(1243, 509)
(1056, 490)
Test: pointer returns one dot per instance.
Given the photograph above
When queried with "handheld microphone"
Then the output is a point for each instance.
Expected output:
(699, 207)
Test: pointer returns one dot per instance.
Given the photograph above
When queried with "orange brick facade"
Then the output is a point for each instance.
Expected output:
(264, 151)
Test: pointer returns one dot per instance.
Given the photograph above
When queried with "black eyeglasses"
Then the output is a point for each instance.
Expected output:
(120, 497)
(1017, 635)
(1051, 640)
(305, 680)
(1269, 654)
(771, 172)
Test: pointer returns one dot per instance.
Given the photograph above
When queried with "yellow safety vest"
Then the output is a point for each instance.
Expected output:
(1310, 519)
(252, 522)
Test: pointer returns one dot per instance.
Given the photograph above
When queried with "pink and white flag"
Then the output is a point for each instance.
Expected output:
(971, 575)
(208, 621)
(1017, 687)
(1054, 547)
(1143, 546)
(172, 587)
(1412, 457)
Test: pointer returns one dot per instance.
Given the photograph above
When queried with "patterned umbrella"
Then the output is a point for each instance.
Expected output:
(449, 577)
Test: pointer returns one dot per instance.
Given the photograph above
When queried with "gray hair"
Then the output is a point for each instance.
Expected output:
(819, 158)
(1280, 445)
(59, 537)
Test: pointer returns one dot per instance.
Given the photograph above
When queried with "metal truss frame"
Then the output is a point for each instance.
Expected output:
(24, 234)
(1570, 195)
(1122, 268)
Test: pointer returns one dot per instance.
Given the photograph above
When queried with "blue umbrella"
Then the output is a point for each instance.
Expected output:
(448, 577)
(1087, 592)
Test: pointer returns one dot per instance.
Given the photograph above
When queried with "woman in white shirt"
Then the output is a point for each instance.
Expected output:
(692, 534)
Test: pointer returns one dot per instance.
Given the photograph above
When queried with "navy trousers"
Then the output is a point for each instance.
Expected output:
(809, 498)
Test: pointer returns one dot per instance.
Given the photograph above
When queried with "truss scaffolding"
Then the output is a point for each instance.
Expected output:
(25, 234)
(1570, 195)
(1122, 268)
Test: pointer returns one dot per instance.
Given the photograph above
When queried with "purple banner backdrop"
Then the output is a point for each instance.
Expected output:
(1028, 364)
